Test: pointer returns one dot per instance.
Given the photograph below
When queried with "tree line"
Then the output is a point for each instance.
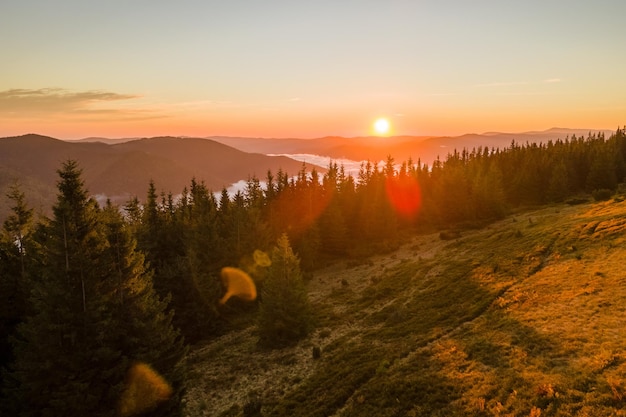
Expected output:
(93, 289)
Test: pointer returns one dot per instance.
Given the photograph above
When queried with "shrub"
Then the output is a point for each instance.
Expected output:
(576, 201)
(449, 235)
(317, 352)
(602, 194)
(252, 408)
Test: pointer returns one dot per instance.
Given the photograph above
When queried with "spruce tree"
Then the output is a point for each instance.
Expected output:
(558, 186)
(15, 237)
(95, 314)
(284, 312)
(488, 195)
(602, 171)
(196, 293)
(333, 231)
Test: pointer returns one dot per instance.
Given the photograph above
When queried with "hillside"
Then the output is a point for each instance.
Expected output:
(523, 317)
(124, 169)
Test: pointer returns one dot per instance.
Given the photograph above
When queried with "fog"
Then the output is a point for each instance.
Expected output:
(351, 168)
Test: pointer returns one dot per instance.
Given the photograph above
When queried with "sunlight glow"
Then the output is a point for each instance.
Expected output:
(381, 126)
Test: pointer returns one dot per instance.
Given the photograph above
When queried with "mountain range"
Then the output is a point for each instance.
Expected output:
(122, 168)
(401, 148)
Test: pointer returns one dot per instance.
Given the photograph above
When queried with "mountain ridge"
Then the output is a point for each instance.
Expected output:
(402, 147)
(123, 170)
(426, 148)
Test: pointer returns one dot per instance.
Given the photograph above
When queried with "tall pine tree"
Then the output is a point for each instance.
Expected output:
(96, 315)
(284, 312)
(15, 237)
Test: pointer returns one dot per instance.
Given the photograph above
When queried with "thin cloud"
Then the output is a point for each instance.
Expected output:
(49, 101)
(441, 94)
(502, 84)
(525, 93)
(552, 80)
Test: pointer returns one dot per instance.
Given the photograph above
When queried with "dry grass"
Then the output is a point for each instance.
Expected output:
(521, 318)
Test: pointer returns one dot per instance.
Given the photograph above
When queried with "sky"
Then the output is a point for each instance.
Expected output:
(138, 68)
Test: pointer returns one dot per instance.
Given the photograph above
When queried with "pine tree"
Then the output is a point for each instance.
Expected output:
(558, 187)
(195, 294)
(15, 238)
(167, 235)
(488, 195)
(145, 332)
(96, 314)
(284, 312)
(332, 230)
(602, 171)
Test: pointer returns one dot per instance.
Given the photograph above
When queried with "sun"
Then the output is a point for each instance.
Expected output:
(381, 126)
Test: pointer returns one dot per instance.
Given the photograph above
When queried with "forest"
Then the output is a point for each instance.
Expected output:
(92, 292)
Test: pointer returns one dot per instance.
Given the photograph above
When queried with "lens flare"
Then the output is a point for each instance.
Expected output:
(404, 194)
(145, 389)
(261, 258)
(238, 284)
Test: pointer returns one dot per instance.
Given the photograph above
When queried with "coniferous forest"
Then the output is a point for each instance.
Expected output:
(92, 291)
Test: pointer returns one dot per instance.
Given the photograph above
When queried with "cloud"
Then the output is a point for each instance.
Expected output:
(515, 83)
(502, 84)
(441, 94)
(55, 101)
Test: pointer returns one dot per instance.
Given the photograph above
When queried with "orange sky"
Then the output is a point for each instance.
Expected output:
(316, 69)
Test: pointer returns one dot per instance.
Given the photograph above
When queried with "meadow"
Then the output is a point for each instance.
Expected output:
(522, 317)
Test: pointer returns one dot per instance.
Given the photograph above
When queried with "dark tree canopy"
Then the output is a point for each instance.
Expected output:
(95, 314)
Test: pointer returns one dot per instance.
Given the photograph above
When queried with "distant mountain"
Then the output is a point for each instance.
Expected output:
(122, 170)
(426, 148)
(108, 141)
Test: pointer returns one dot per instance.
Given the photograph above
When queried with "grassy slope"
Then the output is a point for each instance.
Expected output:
(524, 317)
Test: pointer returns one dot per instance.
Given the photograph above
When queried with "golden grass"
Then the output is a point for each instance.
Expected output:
(522, 318)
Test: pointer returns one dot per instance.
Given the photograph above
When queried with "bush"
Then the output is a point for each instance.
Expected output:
(317, 352)
(449, 235)
(576, 201)
(252, 408)
(602, 194)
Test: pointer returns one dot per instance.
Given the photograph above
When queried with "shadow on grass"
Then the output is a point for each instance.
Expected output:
(390, 363)
(399, 315)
